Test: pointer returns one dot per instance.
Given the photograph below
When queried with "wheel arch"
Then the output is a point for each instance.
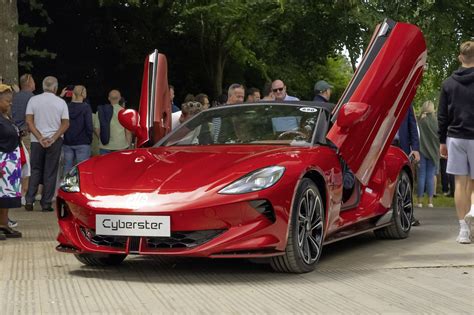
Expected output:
(396, 161)
(319, 181)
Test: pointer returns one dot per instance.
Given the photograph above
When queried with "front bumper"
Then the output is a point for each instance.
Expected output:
(254, 228)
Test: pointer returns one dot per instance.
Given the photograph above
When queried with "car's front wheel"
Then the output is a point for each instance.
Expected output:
(101, 259)
(402, 211)
(306, 231)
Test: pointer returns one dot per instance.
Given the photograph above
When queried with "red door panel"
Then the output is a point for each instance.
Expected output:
(371, 109)
(155, 103)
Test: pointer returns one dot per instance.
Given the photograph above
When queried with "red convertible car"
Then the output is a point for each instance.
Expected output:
(263, 180)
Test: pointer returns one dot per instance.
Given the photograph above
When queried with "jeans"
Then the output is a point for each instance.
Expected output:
(75, 153)
(105, 151)
(426, 176)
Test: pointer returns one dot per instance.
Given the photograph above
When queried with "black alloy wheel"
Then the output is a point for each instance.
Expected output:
(306, 232)
(402, 210)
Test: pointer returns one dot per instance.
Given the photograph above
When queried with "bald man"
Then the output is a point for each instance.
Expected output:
(279, 91)
(113, 136)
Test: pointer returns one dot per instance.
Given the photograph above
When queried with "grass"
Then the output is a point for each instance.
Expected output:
(440, 201)
(443, 201)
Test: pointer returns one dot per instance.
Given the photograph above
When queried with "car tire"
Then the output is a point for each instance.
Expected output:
(306, 232)
(402, 211)
(101, 259)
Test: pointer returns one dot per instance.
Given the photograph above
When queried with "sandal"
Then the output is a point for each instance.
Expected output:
(9, 232)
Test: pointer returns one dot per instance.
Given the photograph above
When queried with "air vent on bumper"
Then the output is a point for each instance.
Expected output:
(264, 207)
(187, 239)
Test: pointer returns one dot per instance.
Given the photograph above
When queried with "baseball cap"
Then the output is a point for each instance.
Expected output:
(322, 86)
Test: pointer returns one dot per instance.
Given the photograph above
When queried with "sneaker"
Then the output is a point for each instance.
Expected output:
(23, 201)
(430, 205)
(47, 209)
(2, 236)
(28, 206)
(464, 237)
(419, 205)
(469, 217)
(12, 223)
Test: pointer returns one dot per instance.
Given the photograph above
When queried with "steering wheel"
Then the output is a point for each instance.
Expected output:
(293, 132)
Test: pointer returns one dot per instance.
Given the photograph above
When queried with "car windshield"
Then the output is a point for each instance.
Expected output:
(274, 124)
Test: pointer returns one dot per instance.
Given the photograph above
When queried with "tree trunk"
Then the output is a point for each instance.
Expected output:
(9, 41)
(218, 77)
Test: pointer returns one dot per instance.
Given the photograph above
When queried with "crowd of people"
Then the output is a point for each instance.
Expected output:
(37, 132)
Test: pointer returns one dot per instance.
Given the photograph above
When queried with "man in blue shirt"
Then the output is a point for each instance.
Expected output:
(279, 91)
(19, 102)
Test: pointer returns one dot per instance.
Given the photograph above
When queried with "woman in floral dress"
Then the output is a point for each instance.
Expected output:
(10, 164)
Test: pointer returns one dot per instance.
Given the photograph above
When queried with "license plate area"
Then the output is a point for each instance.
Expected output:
(133, 225)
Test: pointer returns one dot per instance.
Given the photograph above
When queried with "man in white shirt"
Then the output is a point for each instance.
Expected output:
(47, 117)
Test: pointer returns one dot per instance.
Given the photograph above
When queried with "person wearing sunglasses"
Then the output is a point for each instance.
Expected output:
(279, 91)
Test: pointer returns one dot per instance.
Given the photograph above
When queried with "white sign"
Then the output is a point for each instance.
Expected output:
(132, 225)
(308, 109)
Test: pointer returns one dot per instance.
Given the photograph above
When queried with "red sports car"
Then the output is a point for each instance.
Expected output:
(253, 180)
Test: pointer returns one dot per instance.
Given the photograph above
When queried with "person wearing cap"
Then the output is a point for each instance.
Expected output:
(322, 91)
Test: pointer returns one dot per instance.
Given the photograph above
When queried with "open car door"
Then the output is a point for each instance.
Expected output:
(372, 107)
(153, 120)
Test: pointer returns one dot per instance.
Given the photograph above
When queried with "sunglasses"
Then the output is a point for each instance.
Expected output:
(278, 89)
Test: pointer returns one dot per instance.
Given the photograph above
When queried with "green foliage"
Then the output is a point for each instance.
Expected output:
(29, 54)
(29, 32)
(211, 43)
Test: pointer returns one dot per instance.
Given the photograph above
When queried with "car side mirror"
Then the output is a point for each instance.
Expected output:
(351, 113)
(130, 119)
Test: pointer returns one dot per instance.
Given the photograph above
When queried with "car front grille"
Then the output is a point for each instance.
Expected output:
(187, 239)
(104, 240)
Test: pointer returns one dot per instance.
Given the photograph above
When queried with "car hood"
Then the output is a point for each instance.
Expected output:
(176, 169)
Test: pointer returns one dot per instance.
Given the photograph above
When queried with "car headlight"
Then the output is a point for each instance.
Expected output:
(70, 182)
(255, 181)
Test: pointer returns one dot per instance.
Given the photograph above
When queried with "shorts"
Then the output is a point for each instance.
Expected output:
(460, 157)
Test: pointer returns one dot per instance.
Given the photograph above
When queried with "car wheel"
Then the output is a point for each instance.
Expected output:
(306, 231)
(101, 259)
(402, 211)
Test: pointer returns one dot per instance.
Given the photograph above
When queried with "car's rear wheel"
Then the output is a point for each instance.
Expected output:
(101, 259)
(306, 231)
(402, 211)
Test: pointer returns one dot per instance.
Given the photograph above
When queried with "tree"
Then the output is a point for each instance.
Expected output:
(10, 33)
(224, 30)
(9, 40)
